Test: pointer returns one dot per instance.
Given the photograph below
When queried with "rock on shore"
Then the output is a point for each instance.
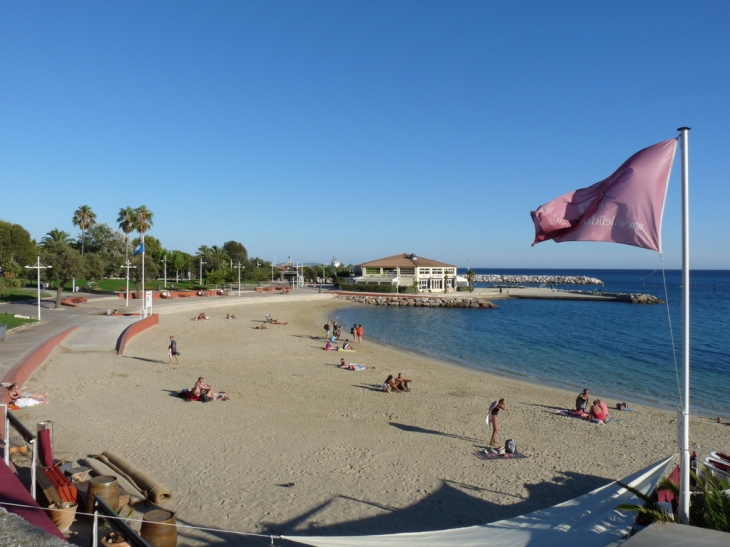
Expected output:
(538, 279)
(421, 301)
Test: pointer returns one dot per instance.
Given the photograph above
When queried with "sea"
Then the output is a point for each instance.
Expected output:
(624, 352)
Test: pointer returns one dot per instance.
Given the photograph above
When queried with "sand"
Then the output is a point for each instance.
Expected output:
(363, 461)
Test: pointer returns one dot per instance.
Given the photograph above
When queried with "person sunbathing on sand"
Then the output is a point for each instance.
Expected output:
(347, 346)
(263, 326)
(27, 398)
(328, 346)
(230, 316)
(353, 366)
(202, 317)
(390, 385)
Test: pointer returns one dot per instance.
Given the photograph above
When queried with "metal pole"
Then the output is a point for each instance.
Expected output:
(38, 268)
(144, 295)
(165, 260)
(201, 271)
(684, 491)
(6, 440)
(33, 465)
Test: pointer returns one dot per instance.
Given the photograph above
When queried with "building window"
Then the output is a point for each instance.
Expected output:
(423, 284)
(390, 271)
(437, 271)
(372, 271)
(424, 271)
(407, 271)
(437, 283)
(450, 271)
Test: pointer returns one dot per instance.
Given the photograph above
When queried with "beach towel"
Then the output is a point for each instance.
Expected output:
(495, 456)
(489, 414)
(347, 350)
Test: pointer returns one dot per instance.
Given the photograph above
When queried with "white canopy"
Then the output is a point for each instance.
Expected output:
(590, 519)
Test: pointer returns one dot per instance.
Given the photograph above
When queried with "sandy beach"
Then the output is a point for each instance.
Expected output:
(363, 461)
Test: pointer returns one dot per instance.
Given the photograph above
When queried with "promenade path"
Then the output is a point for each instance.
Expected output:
(98, 332)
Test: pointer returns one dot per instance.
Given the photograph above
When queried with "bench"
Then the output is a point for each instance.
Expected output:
(183, 295)
(79, 300)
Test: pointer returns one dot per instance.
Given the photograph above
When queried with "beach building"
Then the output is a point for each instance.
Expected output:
(406, 269)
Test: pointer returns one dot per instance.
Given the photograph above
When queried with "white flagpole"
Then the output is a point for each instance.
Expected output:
(144, 294)
(684, 491)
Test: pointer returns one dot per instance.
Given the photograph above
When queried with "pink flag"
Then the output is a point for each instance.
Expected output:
(625, 208)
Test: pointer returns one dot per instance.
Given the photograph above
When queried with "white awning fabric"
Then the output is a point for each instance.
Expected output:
(590, 519)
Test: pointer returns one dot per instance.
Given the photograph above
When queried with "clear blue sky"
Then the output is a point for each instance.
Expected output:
(361, 129)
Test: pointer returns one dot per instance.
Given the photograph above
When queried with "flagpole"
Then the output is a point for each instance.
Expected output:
(144, 294)
(684, 489)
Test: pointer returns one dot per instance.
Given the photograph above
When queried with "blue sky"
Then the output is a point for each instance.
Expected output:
(361, 129)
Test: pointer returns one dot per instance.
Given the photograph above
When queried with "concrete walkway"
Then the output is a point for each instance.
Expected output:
(98, 332)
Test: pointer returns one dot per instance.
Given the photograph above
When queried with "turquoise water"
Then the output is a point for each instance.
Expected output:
(615, 349)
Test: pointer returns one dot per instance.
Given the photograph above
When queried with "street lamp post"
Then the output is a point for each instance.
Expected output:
(38, 269)
(165, 261)
(239, 277)
(201, 271)
(126, 294)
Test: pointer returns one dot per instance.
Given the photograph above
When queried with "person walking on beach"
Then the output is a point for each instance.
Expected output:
(328, 329)
(172, 351)
(493, 418)
(353, 331)
(358, 331)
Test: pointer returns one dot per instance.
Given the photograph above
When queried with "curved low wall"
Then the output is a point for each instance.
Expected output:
(134, 329)
(25, 368)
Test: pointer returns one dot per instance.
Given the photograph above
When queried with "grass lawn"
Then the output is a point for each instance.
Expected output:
(14, 295)
(12, 322)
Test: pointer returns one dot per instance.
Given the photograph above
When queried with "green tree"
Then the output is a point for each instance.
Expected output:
(126, 225)
(217, 277)
(16, 246)
(66, 263)
(83, 217)
(142, 223)
(108, 244)
(94, 266)
(470, 277)
(56, 236)
(236, 251)
(152, 271)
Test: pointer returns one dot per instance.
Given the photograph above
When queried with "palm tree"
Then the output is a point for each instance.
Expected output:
(126, 225)
(470, 277)
(83, 218)
(56, 236)
(142, 222)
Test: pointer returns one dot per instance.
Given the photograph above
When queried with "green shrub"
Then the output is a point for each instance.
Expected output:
(367, 287)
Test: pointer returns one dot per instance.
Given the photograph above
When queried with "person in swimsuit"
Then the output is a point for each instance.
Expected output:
(501, 405)
(172, 351)
(581, 403)
(26, 398)
(402, 382)
(352, 366)
(597, 415)
(347, 346)
(390, 385)
(328, 346)
(201, 388)
(359, 333)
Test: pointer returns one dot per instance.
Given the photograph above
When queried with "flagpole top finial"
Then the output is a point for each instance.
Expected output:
(684, 129)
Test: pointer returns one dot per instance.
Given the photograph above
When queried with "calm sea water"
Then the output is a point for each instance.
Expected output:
(622, 351)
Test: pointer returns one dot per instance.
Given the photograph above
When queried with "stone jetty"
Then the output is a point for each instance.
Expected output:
(538, 279)
(421, 301)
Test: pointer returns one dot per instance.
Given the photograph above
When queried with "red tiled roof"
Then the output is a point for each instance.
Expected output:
(405, 260)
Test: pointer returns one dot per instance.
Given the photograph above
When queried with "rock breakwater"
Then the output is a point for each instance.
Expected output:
(538, 279)
(421, 301)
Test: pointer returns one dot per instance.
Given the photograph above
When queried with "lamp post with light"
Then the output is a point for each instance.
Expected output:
(201, 271)
(38, 269)
(239, 276)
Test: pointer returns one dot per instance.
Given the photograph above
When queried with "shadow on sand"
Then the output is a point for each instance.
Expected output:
(452, 505)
